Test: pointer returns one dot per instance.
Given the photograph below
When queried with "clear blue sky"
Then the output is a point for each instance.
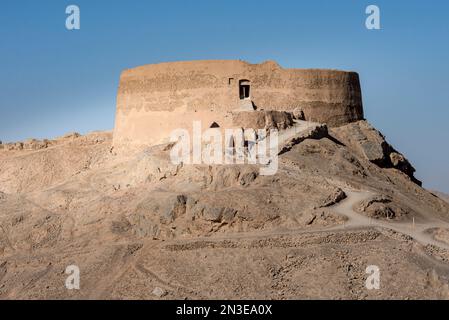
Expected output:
(53, 81)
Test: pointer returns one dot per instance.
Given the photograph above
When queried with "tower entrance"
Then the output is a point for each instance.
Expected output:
(244, 89)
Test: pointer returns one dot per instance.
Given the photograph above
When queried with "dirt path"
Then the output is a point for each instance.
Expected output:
(418, 231)
(356, 221)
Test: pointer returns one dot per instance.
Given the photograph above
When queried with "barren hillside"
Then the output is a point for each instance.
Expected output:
(341, 200)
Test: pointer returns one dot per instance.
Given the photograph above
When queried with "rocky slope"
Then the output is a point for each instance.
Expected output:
(136, 222)
(441, 195)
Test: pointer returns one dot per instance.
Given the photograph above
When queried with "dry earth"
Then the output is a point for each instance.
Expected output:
(342, 199)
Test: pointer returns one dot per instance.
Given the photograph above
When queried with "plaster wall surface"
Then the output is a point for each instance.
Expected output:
(153, 100)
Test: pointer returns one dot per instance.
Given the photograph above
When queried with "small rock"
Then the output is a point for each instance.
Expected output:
(298, 114)
(159, 292)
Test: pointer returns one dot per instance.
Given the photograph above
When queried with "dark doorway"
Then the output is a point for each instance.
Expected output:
(244, 88)
(214, 125)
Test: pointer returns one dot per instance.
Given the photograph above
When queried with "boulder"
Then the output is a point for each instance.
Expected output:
(217, 214)
(371, 144)
(335, 197)
(381, 207)
(401, 163)
(373, 151)
(247, 177)
(144, 227)
(177, 209)
(316, 132)
(208, 212)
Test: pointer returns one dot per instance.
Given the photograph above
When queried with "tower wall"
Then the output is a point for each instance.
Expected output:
(153, 100)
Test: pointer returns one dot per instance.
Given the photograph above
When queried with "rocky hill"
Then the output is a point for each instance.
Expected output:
(140, 227)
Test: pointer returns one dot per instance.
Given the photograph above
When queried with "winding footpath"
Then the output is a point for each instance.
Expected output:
(418, 231)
